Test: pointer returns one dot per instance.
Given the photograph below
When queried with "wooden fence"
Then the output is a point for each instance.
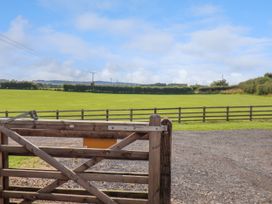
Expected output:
(157, 179)
(178, 114)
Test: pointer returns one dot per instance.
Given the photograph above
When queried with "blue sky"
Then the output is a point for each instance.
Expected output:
(182, 41)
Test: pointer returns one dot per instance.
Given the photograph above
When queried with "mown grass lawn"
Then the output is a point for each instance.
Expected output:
(233, 125)
(52, 100)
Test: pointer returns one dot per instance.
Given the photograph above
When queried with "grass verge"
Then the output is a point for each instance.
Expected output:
(26, 162)
(232, 125)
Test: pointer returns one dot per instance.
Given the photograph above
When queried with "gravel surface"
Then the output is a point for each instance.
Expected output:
(208, 166)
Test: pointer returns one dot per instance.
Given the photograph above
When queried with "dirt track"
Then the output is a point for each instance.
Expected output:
(208, 167)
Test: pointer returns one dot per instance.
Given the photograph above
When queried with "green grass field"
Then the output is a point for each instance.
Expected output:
(52, 100)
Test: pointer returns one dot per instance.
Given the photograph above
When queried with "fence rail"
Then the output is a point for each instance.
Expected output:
(176, 114)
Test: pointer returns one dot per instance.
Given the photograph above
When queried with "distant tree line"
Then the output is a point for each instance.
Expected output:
(260, 85)
(214, 89)
(27, 85)
(129, 89)
(19, 85)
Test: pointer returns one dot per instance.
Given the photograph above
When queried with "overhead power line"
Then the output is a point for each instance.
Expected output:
(16, 44)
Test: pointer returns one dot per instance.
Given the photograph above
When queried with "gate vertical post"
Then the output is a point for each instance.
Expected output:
(154, 162)
(166, 152)
(4, 181)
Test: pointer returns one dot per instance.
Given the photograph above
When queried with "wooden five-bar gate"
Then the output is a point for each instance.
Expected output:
(157, 179)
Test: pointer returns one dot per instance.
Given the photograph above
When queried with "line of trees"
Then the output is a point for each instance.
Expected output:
(144, 89)
(26, 85)
(129, 89)
(260, 85)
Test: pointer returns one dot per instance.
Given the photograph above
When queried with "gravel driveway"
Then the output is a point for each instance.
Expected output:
(222, 167)
(207, 167)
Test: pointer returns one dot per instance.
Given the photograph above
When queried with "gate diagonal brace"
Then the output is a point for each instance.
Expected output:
(53, 162)
(81, 168)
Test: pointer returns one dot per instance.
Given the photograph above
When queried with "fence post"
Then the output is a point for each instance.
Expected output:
(227, 113)
(107, 115)
(57, 114)
(204, 115)
(4, 181)
(82, 114)
(6, 114)
(250, 113)
(179, 114)
(154, 162)
(155, 110)
(166, 152)
(131, 115)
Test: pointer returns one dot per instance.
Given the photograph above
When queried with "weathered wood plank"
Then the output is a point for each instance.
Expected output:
(67, 197)
(154, 162)
(53, 162)
(90, 176)
(166, 152)
(111, 193)
(77, 152)
(4, 181)
(70, 133)
(81, 125)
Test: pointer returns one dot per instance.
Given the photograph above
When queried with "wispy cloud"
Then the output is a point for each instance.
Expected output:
(94, 22)
(79, 5)
(206, 10)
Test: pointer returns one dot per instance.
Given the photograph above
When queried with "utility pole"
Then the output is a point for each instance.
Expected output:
(92, 83)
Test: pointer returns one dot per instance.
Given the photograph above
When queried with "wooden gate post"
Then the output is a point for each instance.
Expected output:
(4, 181)
(166, 152)
(154, 161)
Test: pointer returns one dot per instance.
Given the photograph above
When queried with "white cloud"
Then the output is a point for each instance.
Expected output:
(206, 10)
(154, 41)
(94, 22)
(69, 44)
(78, 6)
(53, 69)
(17, 29)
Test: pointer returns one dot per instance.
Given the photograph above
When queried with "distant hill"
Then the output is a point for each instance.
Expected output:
(260, 85)
(61, 82)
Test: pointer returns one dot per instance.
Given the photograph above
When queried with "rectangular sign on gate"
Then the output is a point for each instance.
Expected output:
(98, 143)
